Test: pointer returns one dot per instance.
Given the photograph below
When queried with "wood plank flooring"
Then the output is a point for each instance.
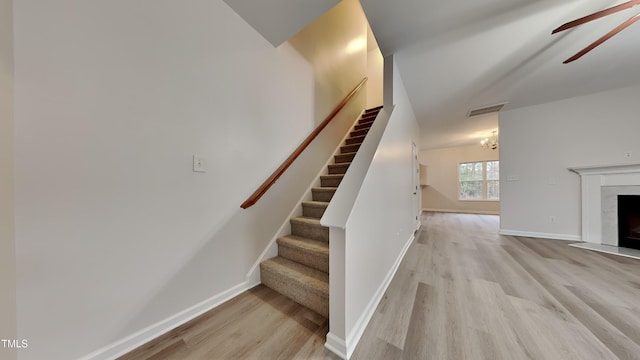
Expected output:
(258, 324)
(464, 292)
(461, 292)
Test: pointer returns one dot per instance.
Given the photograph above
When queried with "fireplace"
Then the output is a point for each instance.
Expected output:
(629, 221)
(601, 185)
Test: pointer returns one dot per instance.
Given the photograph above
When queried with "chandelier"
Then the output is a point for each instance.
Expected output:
(490, 142)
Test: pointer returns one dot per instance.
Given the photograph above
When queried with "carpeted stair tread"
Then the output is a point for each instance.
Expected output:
(363, 126)
(332, 180)
(300, 283)
(312, 253)
(356, 133)
(323, 193)
(314, 209)
(317, 280)
(354, 140)
(306, 220)
(368, 120)
(331, 176)
(339, 168)
(325, 188)
(310, 228)
(349, 148)
(305, 243)
(312, 203)
(344, 158)
(374, 109)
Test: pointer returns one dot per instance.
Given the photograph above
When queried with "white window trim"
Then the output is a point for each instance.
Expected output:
(484, 181)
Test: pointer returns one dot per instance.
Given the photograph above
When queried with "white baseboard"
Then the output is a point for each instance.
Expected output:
(541, 235)
(356, 333)
(457, 211)
(336, 345)
(143, 336)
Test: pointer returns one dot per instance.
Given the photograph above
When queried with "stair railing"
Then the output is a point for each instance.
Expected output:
(285, 165)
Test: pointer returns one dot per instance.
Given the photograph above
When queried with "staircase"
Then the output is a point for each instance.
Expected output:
(301, 269)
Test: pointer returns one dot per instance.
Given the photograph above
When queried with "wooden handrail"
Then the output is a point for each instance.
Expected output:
(285, 165)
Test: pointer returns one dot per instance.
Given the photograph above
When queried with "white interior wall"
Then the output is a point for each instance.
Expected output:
(441, 194)
(113, 229)
(383, 218)
(539, 143)
(7, 245)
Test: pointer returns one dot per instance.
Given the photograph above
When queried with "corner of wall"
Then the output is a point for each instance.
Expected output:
(442, 193)
(388, 81)
(538, 174)
(8, 302)
(375, 252)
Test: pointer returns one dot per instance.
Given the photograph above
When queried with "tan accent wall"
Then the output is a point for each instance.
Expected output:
(441, 194)
(336, 47)
(375, 71)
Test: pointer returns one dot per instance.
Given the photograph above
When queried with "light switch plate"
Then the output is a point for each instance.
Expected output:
(198, 164)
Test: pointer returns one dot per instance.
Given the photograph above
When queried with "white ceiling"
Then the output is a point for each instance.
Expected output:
(457, 55)
(279, 20)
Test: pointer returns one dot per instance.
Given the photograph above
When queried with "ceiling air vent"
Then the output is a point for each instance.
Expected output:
(486, 110)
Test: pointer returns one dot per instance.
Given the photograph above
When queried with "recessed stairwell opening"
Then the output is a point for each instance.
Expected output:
(301, 269)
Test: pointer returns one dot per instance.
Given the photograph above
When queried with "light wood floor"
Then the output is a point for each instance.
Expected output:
(462, 292)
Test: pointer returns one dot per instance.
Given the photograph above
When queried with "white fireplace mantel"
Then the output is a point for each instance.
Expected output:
(606, 169)
(593, 179)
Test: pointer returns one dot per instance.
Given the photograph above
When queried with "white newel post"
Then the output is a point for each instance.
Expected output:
(336, 338)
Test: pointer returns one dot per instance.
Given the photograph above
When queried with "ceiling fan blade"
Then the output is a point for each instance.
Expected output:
(604, 38)
(596, 15)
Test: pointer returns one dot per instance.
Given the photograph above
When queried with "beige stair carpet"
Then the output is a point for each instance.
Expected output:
(301, 269)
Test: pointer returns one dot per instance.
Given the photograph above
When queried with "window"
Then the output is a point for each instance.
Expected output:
(479, 180)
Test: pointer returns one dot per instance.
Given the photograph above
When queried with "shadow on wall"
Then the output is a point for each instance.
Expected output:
(431, 196)
(327, 85)
(220, 263)
(231, 250)
(226, 257)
